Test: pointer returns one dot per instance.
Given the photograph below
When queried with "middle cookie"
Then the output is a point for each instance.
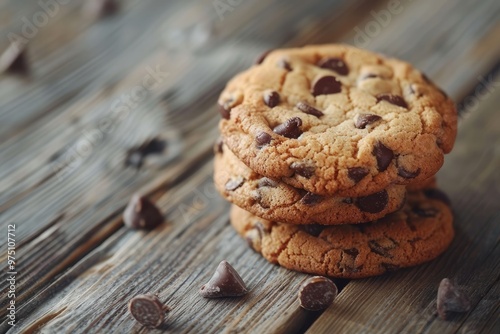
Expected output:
(274, 200)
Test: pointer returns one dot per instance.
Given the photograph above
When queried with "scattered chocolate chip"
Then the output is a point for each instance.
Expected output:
(365, 119)
(334, 64)
(100, 8)
(14, 60)
(425, 212)
(389, 267)
(317, 293)
(284, 64)
(290, 129)
(393, 99)
(311, 199)
(308, 109)
(303, 169)
(224, 283)
(136, 155)
(437, 194)
(382, 246)
(262, 56)
(267, 182)
(407, 174)
(313, 229)
(271, 98)
(383, 155)
(234, 183)
(225, 110)
(373, 203)
(148, 310)
(326, 85)
(357, 173)
(218, 146)
(262, 139)
(141, 213)
(451, 300)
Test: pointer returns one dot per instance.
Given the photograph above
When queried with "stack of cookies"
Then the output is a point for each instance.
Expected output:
(328, 154)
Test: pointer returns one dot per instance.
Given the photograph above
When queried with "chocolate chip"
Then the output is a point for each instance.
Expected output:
(263, 138)
(373, 203)
(224, 283)
(14, 60)
(311, 199)
(218, 146)
(303, 169)
(437, 194)
(317, 293)
(382, 246)
(262, 56)
(284, 64)
(352, 252)
(451, 300)
(425, 212)
(407, 174)
(135, 156)
(308, 109)
(100, 8)
(383, 155)
(326, 85)
(148, 310)
(313, 229)
(267, 182)
(365, 119)
(254, 239)
(290, 129)
(271, 98)
(393, 99)
(225, 109)
(389, 267)
(334, 64)
(141, 213)
(357, 173)
(234, 183)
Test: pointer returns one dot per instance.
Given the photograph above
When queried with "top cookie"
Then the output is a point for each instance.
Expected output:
(337, 120)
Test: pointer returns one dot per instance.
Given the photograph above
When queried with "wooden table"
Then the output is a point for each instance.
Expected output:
(64, 184)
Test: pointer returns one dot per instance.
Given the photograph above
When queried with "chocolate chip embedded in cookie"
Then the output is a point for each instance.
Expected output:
(401, 239)
(334, 108)
(275, 200)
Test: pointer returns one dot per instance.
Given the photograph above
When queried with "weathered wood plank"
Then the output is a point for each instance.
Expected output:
(405, 301)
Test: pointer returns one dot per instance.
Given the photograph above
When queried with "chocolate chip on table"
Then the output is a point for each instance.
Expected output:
(148, 310)
(283, 63)
(262, 56)
(234, 183)
(290, 129)
(317, 293)
(437, 194)
(224, 283)
(271, 98)
(384, 156)
(136, 155)
(425, 212)
(311, 199)
(334, 64)
(326, 85)
(365, 119)
(393, 99)
(407, 174)
(357, 173)
(14, 60)
(308, 109)
(450, 299)
(373, 203)
(141, 213)
(263, 138)
(303, 169)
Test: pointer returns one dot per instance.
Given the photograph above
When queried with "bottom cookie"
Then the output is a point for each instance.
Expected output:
(417, 233)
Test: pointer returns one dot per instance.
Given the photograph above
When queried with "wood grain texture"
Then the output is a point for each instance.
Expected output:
(405, 301)
(78, 264)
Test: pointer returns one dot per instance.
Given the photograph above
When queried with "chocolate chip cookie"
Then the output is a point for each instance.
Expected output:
(417, 233)
(337, 120)
(278, 201)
